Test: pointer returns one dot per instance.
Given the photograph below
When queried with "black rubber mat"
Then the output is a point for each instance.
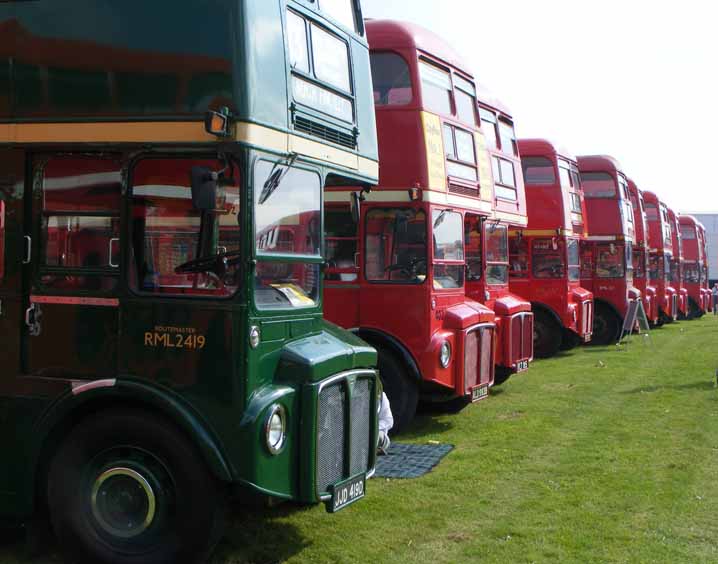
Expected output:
(410, 461)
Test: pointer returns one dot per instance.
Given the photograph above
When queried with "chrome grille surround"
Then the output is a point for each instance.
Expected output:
(478, 356)
(520, 346)
(346, 428)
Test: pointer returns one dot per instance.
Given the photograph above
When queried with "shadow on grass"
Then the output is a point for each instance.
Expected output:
(425, 424)
(704, 385)
(260, 535)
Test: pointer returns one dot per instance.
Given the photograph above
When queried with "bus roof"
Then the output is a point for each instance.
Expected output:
(599, 163)
(537, 147)
(394, 34)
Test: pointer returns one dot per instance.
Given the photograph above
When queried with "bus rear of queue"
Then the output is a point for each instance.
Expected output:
(641, 254)
(514, 318)
(398, 277)
(707, 292)
(692, 266)
(677, 265)
(164, 344)
(607, 252)
(660, 240)
(545, 257)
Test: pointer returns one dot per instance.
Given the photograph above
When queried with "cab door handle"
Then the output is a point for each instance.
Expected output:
(28, 250)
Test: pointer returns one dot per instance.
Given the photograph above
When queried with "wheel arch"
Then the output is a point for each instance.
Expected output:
(70, 409)
(538, 307)
(608, 305)
(379, 339)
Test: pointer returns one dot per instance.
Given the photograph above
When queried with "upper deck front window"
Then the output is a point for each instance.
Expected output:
(651, 211)
(488, 126)
(465, 101)
(564, 173)
(538, 171)
(391, 78)
(448, 248)
(320, 67)
(508, 138)
(504, 179)
(688, 233)
(342, 11)
(460, 153)
(435, 88)
(598, 185)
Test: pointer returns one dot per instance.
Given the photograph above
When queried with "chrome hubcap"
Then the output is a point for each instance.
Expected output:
(123, 502)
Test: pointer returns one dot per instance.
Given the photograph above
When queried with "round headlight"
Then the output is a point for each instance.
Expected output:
(445, 354)
(254, 337)
(275, 429)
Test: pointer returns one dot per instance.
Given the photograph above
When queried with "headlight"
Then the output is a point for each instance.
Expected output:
(275, 429)
(445, 354)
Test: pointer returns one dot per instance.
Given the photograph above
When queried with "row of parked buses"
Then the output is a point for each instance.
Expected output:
(179, 218)
(477, 251)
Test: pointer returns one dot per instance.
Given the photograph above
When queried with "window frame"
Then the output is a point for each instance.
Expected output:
(454, 157)
(496, 162)
(311, 76)
(489, 116)
(489, 263)
(412, 86)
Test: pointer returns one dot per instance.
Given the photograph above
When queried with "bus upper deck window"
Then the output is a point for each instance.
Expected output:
(436, 88)
(508, 138)
(331, 59)
(488, 126)
(538, 170)
(465, 101)
(391, 78)
(598, 185)
(342, 11)
(297, 38)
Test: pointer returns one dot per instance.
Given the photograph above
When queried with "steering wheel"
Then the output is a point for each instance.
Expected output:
(409, 270)
(216, 264)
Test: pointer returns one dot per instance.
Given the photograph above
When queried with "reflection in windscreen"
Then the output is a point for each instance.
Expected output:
(598, 185)
(395, 245)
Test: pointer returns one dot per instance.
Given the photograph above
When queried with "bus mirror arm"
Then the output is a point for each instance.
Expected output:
(356, 199)
(204, 188)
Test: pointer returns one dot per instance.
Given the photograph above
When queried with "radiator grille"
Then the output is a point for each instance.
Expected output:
(478, 361)
(324, 132)
(345, 444)
(522, 328)
(587, 318)
(330, 442)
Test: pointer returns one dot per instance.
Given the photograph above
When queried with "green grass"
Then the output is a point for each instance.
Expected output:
(598, 455)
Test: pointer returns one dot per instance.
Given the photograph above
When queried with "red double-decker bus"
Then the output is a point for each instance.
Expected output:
(640, 254)
(607, 252)
(660, 256)
(400, 276)
(677, 261)
(707, 294)
(693, 254)
(514, 318)
(545, 257)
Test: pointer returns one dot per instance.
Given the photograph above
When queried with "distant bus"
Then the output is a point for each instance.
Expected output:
(545, 257)
(641, 266)
(607, 252)
(660, 239)
(164, 342)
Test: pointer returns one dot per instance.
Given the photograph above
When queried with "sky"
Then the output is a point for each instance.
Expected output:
(634, 79)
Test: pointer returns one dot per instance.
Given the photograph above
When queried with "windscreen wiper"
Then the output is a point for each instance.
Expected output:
(275, 179)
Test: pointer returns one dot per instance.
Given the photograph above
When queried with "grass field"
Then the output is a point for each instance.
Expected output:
(598, 455)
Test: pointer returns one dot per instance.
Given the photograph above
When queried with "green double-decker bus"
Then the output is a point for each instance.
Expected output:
(162, 345)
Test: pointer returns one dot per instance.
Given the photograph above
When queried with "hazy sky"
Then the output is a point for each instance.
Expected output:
(633, 79)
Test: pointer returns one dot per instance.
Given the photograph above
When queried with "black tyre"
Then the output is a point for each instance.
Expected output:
(501, 374)
(606, 326)
(570, 340)
(547, 335)
(126, 487)
(694, 312)
(403, 394)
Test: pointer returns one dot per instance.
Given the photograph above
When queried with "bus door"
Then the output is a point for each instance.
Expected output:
(72, 266)
(12, 172)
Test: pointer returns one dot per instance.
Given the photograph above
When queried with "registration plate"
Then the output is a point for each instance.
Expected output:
(479, 392)
(587, 338)
(522, 365)
(347, 492)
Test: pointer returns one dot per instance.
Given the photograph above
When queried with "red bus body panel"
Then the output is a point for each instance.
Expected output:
(693, 255)
(641, 254)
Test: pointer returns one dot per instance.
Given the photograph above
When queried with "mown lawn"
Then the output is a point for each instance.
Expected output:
(598, 455)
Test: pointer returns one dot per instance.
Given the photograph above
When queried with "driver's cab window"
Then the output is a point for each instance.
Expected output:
(395, 245)
(176, 249)
(341, 244)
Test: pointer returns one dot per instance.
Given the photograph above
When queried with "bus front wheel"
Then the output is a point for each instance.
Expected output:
(403, 394)
(547, 335)
(606, 326)
(126, 487)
